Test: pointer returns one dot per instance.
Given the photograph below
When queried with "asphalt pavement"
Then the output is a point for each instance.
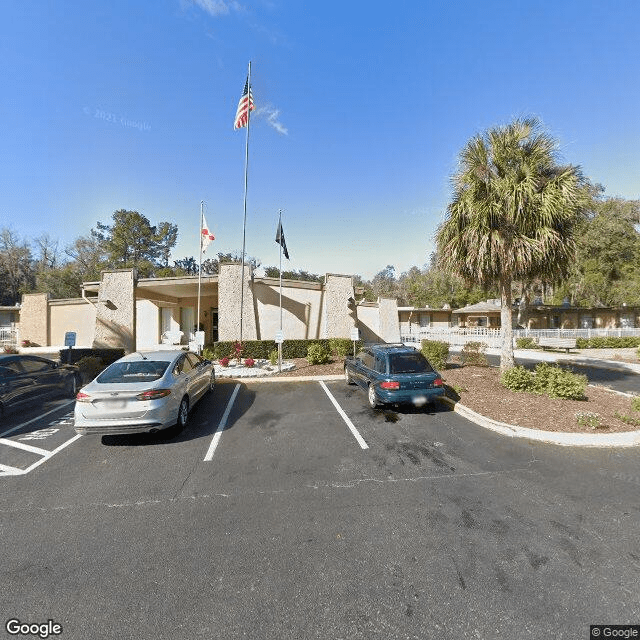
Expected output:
(292, 528)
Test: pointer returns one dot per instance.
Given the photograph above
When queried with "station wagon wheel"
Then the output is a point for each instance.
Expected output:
(347, 376)
(183, 414)
(371, 396)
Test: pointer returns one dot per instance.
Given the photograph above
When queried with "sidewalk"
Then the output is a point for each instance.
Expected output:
(602, 358)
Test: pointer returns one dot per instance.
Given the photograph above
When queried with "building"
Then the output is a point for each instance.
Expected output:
(123, 311)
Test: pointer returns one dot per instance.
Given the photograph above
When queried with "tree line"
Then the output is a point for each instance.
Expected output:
(605, 270)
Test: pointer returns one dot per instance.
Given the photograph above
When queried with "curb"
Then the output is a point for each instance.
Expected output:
(624, 439)
(283, 378)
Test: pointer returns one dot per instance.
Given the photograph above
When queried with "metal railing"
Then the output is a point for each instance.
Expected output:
(8, 337)
(493, 338)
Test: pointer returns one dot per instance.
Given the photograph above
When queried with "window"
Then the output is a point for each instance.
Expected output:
(138, 371)
(35, 365)
(381, 364)
(409, 363)
(367, 359)
(194, 359)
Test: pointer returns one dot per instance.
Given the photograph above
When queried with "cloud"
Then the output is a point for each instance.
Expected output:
(270, 114)
(218, 7)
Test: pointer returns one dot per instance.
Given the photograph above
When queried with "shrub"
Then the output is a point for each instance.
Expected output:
(635, 404)
(541, 377)
(435, 352)
(473, 354)
(518, 379)
(9, 349)
(249, 362)
(582, 343)
(273, 357)
(341, 347)
(107, 355)
(610, 342)
(525, 343)
(90, 367)
(224, 361)
(318, 354)
(567, 385)
(588, 419)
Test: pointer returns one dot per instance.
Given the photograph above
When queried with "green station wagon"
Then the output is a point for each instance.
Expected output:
(394, 374)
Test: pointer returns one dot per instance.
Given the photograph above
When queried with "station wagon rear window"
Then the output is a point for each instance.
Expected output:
(139, 371)
(409, 363)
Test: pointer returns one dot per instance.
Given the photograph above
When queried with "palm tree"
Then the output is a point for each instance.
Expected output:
(513, 215)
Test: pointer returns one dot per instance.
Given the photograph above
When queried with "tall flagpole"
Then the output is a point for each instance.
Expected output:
(200, 266)
(280, 243)
(246, 171)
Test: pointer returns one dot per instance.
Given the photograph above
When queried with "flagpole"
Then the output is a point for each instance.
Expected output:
(246, 171)
(200, 266)
(280, 243)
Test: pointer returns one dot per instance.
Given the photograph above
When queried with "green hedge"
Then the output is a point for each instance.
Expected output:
(339, 347)
(609, 342)
(436, 352)
(546, 380)
(526, 343)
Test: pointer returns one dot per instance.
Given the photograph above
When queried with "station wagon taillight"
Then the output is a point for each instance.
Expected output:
(153, 394)
(437, 382)
(387, 384)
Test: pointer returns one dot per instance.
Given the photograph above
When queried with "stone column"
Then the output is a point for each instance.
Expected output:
(229, 294)
(341, 314)
(34, 318)
(116, 311)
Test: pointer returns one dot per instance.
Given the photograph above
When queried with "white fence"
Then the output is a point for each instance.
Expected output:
(493, 338)
(8, 337)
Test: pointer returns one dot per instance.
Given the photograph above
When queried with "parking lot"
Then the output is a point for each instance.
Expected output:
(292, 509)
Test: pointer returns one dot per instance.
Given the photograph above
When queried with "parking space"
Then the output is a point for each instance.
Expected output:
(26, 444)
(290, 519)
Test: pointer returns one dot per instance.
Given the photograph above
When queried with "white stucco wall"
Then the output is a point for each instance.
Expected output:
(71, 315)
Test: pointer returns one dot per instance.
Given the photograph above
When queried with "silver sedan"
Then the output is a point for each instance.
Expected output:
(143, 392)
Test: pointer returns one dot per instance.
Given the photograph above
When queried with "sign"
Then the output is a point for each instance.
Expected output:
(200, 338)
(279, 339)
(355, 334)
(70, 339)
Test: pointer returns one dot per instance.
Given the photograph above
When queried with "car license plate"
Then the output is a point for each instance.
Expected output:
(419, 400)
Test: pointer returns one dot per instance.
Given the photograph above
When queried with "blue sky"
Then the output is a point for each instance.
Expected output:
(362, 110)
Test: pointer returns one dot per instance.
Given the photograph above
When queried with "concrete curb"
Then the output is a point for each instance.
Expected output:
(286, 378)
(624, 439)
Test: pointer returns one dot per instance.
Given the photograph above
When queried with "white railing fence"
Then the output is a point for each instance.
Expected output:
(8, 337)
(493, 339)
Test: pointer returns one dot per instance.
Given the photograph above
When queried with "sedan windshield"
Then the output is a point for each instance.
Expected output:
(409, 363)
(139, 371)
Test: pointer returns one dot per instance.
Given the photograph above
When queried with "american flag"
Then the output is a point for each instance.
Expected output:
(242, 114)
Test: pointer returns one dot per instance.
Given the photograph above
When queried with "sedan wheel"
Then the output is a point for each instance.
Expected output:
(347, 376)
(183, 414)
(212, 381)
(371, 395)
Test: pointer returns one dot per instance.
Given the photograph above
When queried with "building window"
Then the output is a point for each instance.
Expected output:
(586, 322)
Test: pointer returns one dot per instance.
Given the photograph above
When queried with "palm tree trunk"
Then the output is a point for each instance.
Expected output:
(506, 356)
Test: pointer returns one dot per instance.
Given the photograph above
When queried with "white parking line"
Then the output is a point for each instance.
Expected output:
(53, 453)
(24, 424)
(223, 423)
(24, 447)
(345, 417)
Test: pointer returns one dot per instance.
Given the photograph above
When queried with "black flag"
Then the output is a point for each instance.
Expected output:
(280, 240)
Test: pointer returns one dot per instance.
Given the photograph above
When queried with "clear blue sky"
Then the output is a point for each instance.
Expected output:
(363, 108)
